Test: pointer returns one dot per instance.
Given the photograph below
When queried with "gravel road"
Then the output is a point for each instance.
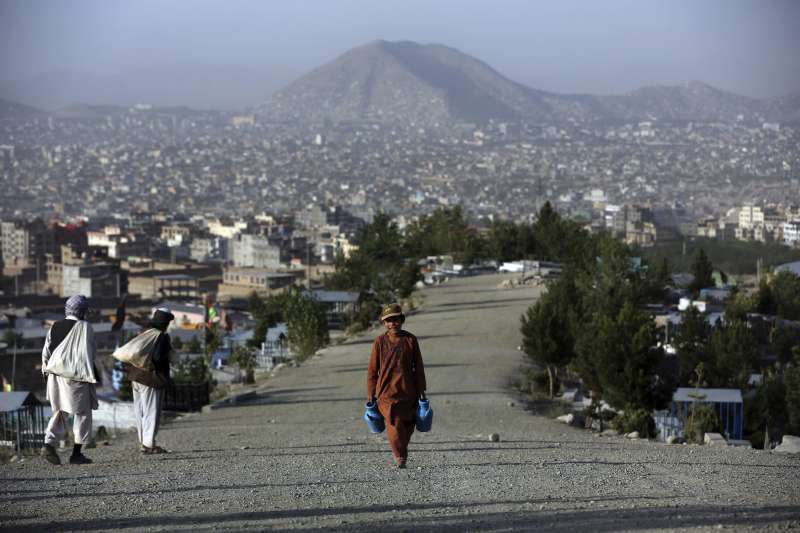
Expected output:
(298, 457)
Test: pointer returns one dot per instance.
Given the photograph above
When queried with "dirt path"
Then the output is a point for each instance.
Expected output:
(299, 456)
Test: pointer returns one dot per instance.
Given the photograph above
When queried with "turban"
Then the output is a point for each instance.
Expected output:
(76, 306)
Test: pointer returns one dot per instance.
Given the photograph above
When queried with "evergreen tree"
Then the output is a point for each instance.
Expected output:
(703, 272)
(785, 288)
(733, 355)
(626, 358)
(691, 343)
(791, 379)
(546, 331)
(306, 322)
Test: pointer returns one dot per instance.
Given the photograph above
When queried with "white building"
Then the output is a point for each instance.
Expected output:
(750, 217)
(791, 233)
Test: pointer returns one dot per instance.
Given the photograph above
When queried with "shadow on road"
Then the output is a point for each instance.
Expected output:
(463, 516)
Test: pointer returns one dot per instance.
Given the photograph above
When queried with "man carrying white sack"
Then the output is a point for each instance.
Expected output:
(68, 362)
(147, 398)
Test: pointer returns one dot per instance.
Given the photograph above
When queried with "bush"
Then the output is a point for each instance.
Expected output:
(191, 370)
(633, 419)
(702, 419)
(245, 359)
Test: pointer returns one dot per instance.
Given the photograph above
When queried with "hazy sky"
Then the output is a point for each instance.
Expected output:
(591, 46)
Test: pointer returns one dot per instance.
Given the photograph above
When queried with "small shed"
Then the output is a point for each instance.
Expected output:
(727, 402)
(22, 421)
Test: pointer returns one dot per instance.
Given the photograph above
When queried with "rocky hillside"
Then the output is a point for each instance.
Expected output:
(409, 82)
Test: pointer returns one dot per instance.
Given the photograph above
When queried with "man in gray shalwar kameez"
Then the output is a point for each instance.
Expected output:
(67, 396)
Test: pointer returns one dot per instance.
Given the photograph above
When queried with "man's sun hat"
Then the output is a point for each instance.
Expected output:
(392, 310)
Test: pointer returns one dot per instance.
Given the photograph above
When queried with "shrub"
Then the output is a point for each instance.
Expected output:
(191, 370)
(633, 419)
(702, 419)
(245, 359)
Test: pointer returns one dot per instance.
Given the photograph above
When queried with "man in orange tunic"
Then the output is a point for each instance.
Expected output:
(396, 380)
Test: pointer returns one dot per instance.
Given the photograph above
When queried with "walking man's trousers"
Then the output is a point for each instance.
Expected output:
(57, 428)
(147, 408)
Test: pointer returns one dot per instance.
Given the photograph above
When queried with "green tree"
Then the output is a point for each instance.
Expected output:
(703, 272)
(764, 300)
(245, 358)
(791, 379)
(546, 333)
(625, 358)
(306, 322)
(381, 264)
(786, 293)
(766, 409)
(504, 243)
(267, 312)
(738, 306)
(691, 343)
(445, 231)
(733, 355)
(784, 341)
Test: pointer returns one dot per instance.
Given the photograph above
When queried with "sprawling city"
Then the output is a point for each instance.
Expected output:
(604, 287)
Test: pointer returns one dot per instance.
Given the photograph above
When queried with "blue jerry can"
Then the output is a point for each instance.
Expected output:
(374, 418)
(424, 416)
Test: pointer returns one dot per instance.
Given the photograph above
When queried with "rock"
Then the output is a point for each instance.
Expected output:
(14, 459)
(244, 447)
(714, 439)
(494, 437)
(568, 418)
(511, 404)
(632, 435)
(674, 439)
(789, 444)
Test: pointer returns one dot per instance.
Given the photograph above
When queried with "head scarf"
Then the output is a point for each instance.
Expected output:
(76, 306)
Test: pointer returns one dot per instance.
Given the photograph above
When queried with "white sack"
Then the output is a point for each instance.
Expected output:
(74, 357)
(139, 350)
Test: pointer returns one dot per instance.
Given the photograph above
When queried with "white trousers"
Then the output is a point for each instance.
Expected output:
(147, 408)
(57, 428)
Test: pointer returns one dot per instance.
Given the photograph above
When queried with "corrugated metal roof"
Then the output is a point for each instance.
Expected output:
(11, 401)
(711, 395)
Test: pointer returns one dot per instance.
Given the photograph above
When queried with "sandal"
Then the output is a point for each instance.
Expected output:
(155, 450)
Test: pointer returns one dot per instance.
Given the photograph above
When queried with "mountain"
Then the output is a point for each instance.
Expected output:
(403, 80)
(694, 101)
(423, 84)
(9, 109)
